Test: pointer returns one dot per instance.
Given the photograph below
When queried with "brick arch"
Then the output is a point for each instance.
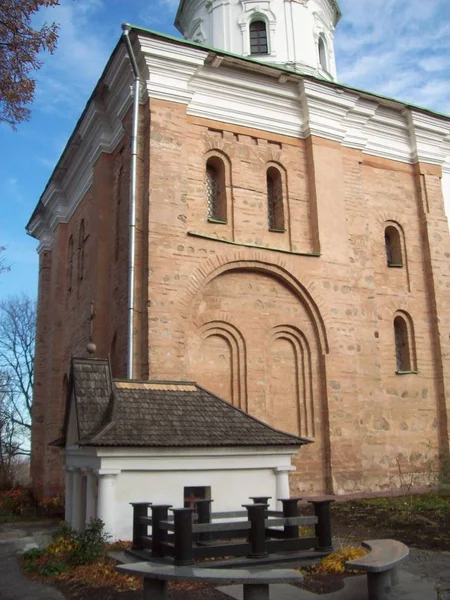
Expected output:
(221, 146)
(236, 343)
(220, 265)
(302, 352)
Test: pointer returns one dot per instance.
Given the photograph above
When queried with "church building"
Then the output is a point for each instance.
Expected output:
(231, 220)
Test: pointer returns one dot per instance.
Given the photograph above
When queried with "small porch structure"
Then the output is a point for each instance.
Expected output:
(174, 442)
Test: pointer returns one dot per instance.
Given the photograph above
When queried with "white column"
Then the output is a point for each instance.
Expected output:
(91, 484)
(282, 483)
(106, 498)
(69, 496)
(76, 495)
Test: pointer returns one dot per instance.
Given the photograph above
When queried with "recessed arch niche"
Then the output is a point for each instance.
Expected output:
(256, 339)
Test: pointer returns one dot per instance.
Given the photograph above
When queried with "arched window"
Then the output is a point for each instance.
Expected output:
(258, 38)
(323, 53)
(70, 263)
(216, 189)
(81, 244)
(275, 199)
(393, 245)
(404, 345)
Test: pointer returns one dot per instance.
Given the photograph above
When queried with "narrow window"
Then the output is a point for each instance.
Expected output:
(70, 263)
(323, 54)
(113, 356)
(402, 351)
(64, 395)
(192, 494)
(258, 38)
(118, 188)
(275, 199)
(393, 247)
(216, 189)
(81, 243)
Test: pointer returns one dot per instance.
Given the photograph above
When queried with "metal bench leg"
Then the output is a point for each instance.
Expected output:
(256, 591)
(395, 577)
(155, 589)
(379, 585)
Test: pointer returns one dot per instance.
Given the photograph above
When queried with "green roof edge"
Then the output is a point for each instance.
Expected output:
(336, 84)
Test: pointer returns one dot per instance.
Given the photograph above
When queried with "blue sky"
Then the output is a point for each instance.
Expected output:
(399, 48)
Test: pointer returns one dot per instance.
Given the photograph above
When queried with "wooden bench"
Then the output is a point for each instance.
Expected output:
(256, 583)
(381, 565)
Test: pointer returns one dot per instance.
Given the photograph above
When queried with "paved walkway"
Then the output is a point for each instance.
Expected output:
(13, 584)
(431, 566)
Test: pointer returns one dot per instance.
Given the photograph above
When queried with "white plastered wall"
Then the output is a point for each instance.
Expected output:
(117, 477)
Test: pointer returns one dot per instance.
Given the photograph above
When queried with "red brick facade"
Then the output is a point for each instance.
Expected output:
(295, 327)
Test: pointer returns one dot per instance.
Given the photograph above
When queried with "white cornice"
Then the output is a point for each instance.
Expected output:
(246, 95)
(430, 138)
(232, 91)
(253, 100)
(100, 130)
(170, 68)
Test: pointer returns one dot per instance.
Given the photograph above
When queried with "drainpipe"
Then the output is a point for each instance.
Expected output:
(133, 182)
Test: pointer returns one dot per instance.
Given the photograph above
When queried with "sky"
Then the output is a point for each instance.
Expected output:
(398, 48)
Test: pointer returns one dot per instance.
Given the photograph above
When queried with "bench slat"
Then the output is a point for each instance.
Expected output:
(201, 527)
(383, 555)
(231, 576)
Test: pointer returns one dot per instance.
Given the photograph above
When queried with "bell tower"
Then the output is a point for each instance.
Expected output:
(294, 33)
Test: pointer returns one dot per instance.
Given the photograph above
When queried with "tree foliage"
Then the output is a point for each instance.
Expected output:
(20, 45)
(17, 334)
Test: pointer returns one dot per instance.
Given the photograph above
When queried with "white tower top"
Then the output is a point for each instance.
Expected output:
(294, 33)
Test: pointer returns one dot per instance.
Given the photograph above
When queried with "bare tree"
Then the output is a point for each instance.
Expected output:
(17, 333)
(13, 438)
(3, 266)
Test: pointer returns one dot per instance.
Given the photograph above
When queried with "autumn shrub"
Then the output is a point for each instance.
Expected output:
(90, 545)
(17, 502)
(52, 506)
(22, 502)
(68, 549)
(335, 562)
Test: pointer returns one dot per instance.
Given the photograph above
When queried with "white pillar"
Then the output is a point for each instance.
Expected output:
(91, 484)
(106, 499)
(76, 495)
(282, 483)
(69, 496)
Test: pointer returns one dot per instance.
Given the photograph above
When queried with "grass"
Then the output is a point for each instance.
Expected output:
(421, 520)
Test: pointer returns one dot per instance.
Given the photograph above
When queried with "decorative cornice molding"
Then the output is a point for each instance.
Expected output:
(245, 94)
(430, 138)
(100, 130)
(170, 68)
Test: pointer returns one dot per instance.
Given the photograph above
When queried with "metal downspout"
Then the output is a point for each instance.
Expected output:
(133, 185)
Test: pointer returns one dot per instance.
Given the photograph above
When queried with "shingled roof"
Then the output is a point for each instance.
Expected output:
(160, 414)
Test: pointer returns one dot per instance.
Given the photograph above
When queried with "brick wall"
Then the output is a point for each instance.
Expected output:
(294, 327)
(64, 307)
(218, 308)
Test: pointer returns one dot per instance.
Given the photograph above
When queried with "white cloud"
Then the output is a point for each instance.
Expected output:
(399, 48)
(69, 75)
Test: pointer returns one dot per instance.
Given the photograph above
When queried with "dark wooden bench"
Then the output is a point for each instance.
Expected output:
(381, 565)
(256, 583)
